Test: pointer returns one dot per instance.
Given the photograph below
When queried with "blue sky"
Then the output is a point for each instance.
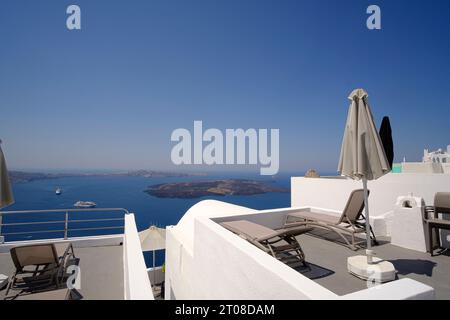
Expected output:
(109, 96)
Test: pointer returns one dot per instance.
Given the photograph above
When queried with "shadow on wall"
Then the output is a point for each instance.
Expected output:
(408, 266)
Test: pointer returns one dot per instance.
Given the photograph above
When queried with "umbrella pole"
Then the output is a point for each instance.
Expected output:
(366, 209)
(1, 238)
(154, 275)
(362, 266)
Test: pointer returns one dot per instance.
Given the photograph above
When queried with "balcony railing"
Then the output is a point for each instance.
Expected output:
(65, 222)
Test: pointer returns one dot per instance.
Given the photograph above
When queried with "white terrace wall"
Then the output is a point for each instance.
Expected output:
(136, 282)
(222, 266)
(180, 282)
(333, 193)
(422, 167)
(77, 242)
(217, 264)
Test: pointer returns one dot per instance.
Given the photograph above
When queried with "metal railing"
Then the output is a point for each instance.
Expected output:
(66, 221)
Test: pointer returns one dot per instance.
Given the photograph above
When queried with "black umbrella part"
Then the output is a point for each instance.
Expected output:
(386, 139)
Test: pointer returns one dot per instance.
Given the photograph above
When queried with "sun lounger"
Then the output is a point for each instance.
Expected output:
(280, 243)
(39, 266)
(350, 222)
(434, 223)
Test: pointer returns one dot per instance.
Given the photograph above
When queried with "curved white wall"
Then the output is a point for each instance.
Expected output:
(217, 264)
(205, 208)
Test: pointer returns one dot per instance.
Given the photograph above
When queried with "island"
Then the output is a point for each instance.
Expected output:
(197, 189)
(21, 176)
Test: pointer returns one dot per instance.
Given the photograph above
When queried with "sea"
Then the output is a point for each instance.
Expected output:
(118, 192)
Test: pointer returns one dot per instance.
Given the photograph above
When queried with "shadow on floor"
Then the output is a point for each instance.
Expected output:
(313, 271)
(335, 238)
(408, 266)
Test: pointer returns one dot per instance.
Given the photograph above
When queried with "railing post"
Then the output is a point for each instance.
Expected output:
(66, 225)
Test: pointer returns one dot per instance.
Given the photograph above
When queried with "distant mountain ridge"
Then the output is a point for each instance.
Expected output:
(22, 176)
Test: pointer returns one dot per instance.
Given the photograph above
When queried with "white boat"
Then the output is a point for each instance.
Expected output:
(58, 191)
(85, 204)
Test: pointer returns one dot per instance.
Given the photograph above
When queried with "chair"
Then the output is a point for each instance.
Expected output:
(265, 239)
(434, 223)
(39, 266)
(351, 221)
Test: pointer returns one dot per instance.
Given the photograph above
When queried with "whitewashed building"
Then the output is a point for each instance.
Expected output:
(438, 156)
(432, 162)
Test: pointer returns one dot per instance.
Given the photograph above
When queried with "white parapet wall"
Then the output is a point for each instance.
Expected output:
(323, 192)
(136, 281)
(445, 167)
(422, 167)
(334, 192)
(219, 265)
(206, 261)
(394, 290)
(77, 242)
(407, 226)
(180, 271)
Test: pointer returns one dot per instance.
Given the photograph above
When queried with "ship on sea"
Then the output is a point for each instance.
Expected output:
(58, 191)
(85, 204)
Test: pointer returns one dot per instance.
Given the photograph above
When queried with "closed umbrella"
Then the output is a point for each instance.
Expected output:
(6, 196)
(386, 139)
(362, 153)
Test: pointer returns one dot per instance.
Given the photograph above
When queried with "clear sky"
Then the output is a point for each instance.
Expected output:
(110, 95)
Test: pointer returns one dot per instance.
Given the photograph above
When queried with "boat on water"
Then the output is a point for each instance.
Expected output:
(58, 191)
(85, 204)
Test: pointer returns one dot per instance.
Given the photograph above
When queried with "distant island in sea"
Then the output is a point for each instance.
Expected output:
(21, 176)
(197, 189)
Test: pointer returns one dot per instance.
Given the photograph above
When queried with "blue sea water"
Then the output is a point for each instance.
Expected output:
(119, 192)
